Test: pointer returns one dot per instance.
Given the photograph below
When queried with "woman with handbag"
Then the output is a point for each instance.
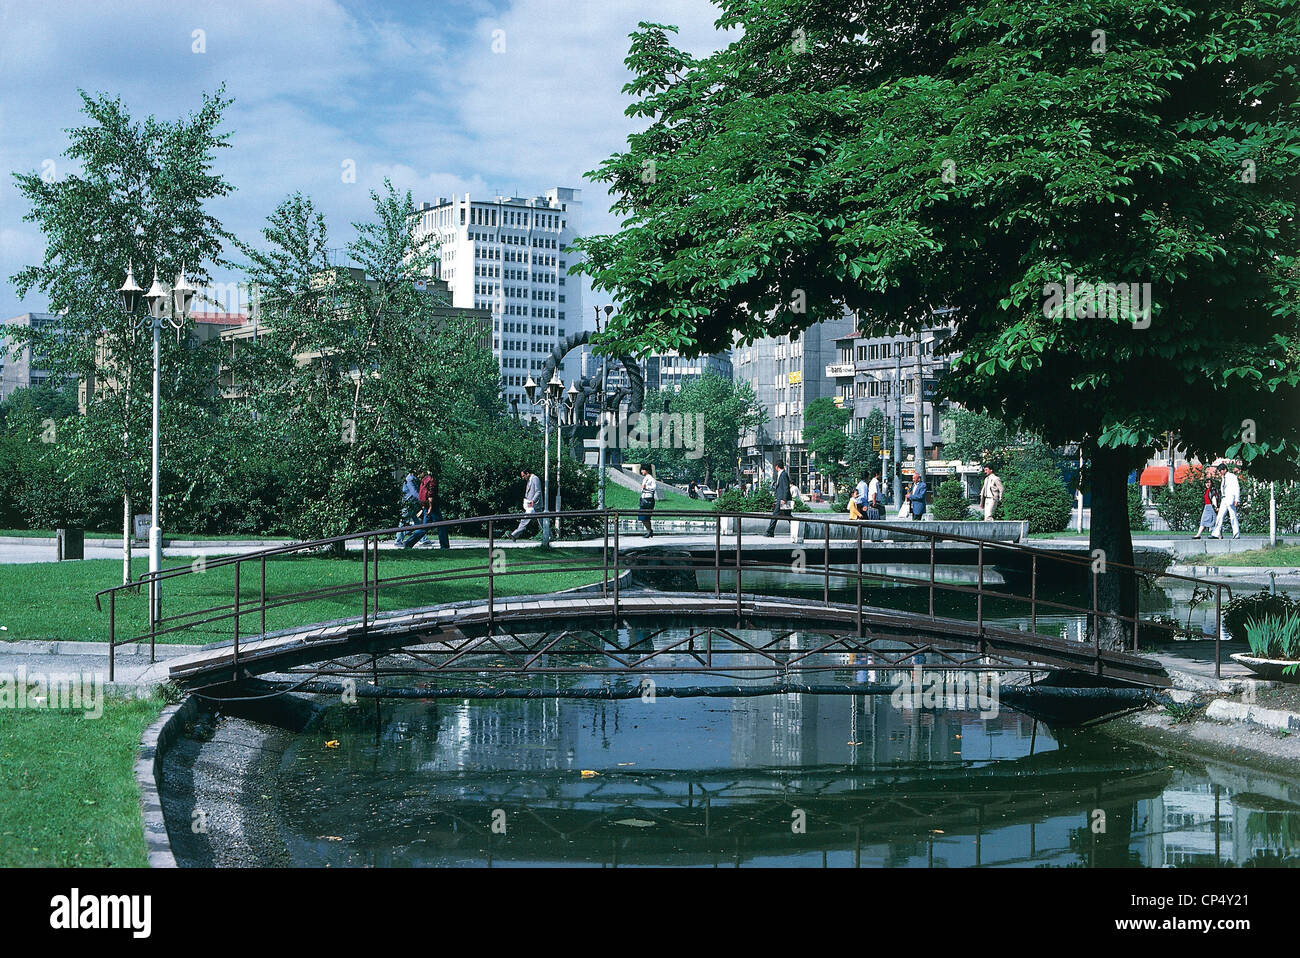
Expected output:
(648, 492)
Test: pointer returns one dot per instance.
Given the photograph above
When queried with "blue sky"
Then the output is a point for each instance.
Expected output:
(408, 90)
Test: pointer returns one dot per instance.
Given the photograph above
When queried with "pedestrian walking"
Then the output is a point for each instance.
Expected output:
(1211, 498)
(430, 512)
(782, 504)
(410, 504)
(917, 497)
(532, 496)
(1230, 496)
(874, 510)
(649, 489)
(693, 491)
(990, 493)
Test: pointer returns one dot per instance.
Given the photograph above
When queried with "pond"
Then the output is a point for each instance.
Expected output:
(789, 780)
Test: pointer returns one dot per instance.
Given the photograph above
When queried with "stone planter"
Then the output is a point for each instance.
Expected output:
(1272, 669)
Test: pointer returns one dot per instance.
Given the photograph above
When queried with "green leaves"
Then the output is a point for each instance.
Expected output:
(1115, 167)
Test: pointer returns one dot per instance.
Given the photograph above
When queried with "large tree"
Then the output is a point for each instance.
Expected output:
(361, 371)
(137, 194)
(823, 434)
(894, 157)
(716, 413)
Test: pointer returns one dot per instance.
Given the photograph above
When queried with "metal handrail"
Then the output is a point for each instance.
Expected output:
(371, 583)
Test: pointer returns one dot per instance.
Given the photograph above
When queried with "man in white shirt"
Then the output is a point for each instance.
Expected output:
(1230, 496)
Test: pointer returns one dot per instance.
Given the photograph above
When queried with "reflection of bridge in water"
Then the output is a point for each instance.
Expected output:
(871, 785)
(573, 633)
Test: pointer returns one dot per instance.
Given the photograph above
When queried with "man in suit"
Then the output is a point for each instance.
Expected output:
(532, 496)
(780, 489)
(991, 492)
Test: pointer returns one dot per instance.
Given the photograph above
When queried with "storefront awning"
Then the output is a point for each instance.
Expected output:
(1159, 475)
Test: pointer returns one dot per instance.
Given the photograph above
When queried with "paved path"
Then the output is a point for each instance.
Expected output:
(52, 660)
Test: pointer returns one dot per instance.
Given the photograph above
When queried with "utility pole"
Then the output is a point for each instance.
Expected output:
(920, 405)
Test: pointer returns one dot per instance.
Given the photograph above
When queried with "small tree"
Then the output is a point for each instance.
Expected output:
(1137, 513)
(823, 434)
(950, 503)
(1181, 507)
(1038, 497)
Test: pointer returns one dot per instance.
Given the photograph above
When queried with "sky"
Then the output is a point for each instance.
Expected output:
(440, 96)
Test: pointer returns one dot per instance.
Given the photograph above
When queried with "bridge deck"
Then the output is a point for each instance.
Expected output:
(464, 628)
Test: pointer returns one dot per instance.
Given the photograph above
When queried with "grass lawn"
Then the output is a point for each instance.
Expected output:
(621, 497)
(55, 600)
(1282, 555)
(68, 796)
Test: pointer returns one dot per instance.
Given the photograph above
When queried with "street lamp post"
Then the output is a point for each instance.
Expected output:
(604, 385)
(549, 399)
(182, 295)
(897, 465)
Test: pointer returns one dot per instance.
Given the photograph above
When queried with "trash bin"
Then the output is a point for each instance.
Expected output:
(71, 543)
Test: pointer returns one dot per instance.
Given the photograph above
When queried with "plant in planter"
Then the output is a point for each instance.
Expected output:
(1274, 645)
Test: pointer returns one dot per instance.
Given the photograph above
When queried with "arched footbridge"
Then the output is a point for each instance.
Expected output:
(719, 602)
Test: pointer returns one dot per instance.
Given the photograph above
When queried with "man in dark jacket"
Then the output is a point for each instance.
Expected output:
(780, 489)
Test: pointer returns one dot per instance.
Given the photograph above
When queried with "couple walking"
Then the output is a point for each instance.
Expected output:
(419, 508)
(1220, 502)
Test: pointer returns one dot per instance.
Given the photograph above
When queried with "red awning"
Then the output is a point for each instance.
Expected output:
(1159, 475)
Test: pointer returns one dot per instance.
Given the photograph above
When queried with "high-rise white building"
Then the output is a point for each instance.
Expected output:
(509, 255)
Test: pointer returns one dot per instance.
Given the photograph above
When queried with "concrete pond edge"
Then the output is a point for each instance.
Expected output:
(154, 744)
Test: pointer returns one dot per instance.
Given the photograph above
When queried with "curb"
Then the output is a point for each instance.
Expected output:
(69, 647)
(1222, 710)
(155, 742)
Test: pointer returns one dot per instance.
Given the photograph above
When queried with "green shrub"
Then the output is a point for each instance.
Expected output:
(1256, 605)
(1253, 510)
(950, 503)
(1181, 507)
(1038, 497)
(758, 499)
(1137, 514)
(1275, 636)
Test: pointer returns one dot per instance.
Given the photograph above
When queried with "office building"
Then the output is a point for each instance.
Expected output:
(509, 255)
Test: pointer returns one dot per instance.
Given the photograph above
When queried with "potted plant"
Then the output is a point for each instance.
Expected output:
(1274, 647)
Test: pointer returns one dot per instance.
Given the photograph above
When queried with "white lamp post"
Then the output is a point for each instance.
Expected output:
(604, 384)
(549, 399)
(182, 295)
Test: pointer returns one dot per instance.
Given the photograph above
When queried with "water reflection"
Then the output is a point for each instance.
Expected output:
(777, 780)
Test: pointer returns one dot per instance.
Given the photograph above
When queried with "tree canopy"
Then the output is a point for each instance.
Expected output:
(893, 157)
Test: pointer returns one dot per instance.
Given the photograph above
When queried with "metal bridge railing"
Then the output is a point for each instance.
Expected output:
(372, 584)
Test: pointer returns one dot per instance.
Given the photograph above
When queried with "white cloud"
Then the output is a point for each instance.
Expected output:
(409, 91)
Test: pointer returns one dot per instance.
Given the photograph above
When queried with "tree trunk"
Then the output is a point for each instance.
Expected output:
(1109, 532)
(126, 536)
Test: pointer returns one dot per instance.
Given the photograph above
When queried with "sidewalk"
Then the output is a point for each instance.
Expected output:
(132, 668)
